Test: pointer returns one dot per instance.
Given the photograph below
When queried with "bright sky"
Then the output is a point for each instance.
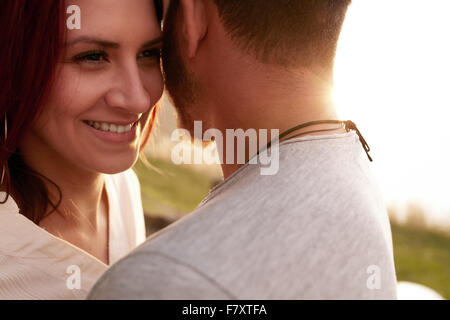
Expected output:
(392, 79)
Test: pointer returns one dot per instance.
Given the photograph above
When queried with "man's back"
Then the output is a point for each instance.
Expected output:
(317, 229)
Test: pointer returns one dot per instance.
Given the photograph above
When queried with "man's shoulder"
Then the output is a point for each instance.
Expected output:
(316, 172)
(147, 274)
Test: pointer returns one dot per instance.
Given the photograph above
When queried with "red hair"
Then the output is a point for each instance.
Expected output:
(31, 37)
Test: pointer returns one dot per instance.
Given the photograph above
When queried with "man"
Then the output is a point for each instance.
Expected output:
(314, 229)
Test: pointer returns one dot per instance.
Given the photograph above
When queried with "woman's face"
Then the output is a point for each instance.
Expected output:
(108, 81)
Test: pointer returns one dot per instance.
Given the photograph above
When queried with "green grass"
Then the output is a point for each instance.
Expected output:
(169, 190)
(421, 255)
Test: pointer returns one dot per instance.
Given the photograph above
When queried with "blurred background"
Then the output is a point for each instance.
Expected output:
(392, 79)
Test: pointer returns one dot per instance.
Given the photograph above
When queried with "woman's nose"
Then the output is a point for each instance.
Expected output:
(128, 91)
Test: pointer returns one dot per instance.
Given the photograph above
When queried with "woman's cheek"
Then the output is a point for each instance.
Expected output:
(155, 86)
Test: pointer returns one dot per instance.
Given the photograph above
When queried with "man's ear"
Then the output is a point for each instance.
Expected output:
(194, 24)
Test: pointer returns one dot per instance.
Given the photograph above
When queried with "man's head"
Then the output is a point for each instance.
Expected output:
(209, 44)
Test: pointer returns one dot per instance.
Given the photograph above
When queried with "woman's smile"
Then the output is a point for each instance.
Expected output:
(115, 132)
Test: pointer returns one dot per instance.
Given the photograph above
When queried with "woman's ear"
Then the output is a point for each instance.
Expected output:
(194, 24)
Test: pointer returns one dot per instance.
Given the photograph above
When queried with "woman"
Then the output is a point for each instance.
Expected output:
(76, 110)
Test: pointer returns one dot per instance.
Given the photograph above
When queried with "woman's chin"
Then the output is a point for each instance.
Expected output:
(114, 166)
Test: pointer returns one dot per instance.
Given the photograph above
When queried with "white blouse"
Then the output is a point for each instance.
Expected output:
(35, 264)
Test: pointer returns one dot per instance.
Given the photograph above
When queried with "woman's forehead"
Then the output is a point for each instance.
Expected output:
(118, 20)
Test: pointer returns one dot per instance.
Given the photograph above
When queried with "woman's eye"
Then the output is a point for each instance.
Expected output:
(151, 54)
(91, 57)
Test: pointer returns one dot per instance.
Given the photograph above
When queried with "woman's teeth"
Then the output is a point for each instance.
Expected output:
(102, 126)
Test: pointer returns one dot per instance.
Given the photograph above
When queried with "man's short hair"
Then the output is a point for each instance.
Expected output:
(286, 32)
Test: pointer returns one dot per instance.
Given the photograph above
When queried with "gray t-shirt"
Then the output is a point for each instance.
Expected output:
(318, 229)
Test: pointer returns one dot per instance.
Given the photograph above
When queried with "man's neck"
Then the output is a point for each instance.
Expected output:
(274, 100)
(319, 129)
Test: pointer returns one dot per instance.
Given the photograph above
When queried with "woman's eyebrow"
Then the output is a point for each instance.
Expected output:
(109, 44)
(153, 42)
(99, 42)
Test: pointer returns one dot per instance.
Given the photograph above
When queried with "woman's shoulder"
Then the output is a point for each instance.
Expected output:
(34, 263)
(8, 206)
(10, 220)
